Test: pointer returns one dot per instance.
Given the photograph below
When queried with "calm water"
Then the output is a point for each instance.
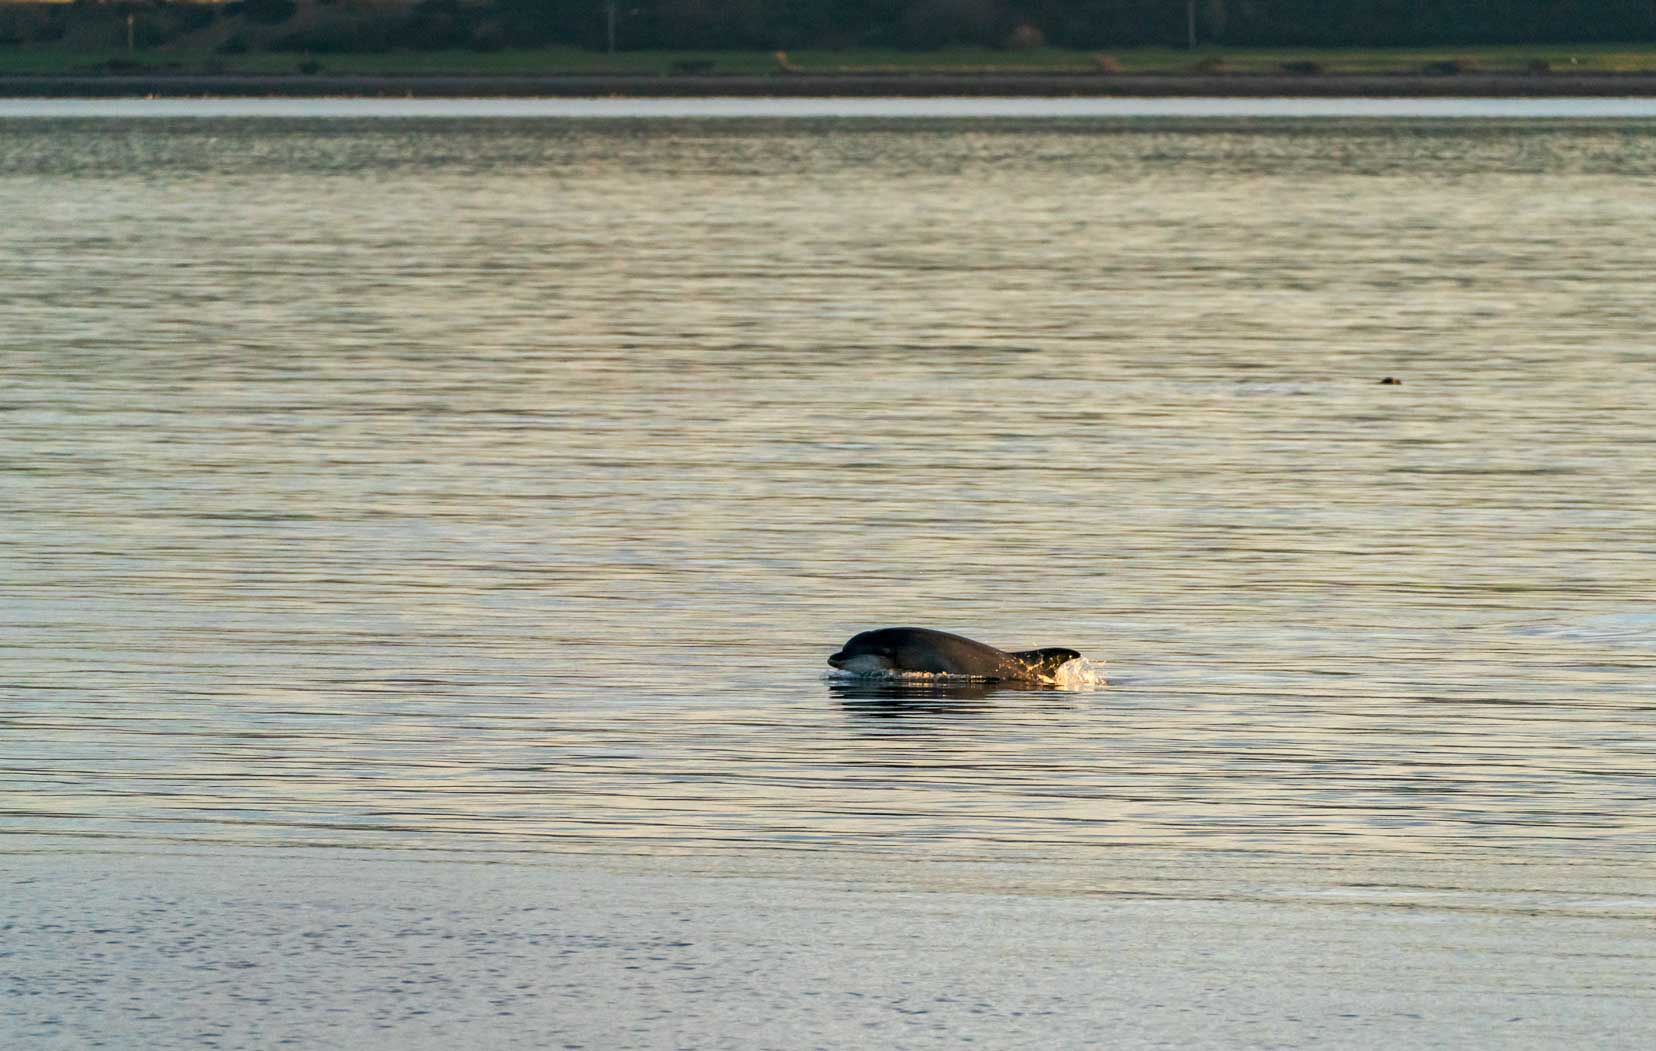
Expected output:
(502, 485)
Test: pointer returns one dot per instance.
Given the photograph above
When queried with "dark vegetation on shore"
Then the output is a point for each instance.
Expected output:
(653, 37)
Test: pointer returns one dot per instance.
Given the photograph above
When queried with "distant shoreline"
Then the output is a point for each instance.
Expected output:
(848, 85)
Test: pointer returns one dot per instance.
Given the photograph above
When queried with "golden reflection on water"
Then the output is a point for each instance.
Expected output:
(412, 482)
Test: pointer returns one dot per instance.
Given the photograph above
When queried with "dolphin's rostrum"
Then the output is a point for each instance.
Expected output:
(896, 651)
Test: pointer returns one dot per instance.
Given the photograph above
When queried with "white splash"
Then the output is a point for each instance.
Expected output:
(1079, 674)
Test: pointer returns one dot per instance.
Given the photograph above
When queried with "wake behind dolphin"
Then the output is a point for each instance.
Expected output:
(923, 651)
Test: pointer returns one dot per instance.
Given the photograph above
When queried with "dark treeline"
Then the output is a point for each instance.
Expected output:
(1092, 24)
(706, 25)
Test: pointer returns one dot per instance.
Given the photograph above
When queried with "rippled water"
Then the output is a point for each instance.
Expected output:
(504, 484)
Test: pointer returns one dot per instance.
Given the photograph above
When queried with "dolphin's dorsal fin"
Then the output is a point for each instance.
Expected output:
(1045, 661)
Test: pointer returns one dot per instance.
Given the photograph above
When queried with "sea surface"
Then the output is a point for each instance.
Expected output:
(500, 485)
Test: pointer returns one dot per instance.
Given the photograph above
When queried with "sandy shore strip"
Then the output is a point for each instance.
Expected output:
(894, 85)
(164, 946)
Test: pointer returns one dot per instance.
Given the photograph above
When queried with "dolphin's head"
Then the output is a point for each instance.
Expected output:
(867, 654)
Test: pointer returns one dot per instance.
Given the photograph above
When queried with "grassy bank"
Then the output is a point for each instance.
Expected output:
(1560, 58)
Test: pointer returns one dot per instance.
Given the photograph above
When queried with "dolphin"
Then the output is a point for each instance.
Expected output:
(889, 651)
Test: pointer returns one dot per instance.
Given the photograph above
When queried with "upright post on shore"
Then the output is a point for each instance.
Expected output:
(609, 23)
(1190, 24)
(130, 18)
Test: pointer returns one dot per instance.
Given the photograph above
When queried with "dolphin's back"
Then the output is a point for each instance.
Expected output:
(942, 653)
(939, 652)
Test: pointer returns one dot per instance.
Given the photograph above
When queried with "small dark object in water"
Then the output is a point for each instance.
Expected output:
(1450, 66)
(1391, 381)
(897, 650)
